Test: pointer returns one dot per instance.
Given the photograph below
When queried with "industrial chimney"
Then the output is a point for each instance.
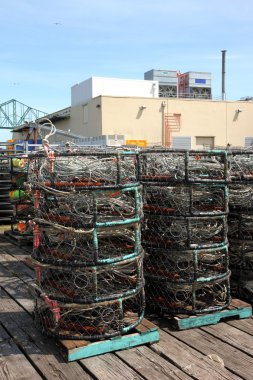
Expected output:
(223, 91)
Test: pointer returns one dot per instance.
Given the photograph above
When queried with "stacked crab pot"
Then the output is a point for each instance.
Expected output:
(240, 224)
(184, 234)
(87, 249)
(6, 206)
(20, 198)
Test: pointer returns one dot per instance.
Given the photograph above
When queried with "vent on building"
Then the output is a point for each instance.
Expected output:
(167, 91)
(248, 142)
(181, 142)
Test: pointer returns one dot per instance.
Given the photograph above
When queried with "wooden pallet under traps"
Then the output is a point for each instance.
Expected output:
(237, 310)
(147, 332)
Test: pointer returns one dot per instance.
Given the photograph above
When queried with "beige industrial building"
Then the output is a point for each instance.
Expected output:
(132, 112)
(179, 122)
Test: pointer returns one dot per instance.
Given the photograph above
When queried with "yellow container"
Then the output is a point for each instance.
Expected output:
(10, 147)
(141, 143)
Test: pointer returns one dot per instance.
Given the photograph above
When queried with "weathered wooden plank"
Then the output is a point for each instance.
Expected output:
(16, 288)
(235, 360)
(9, 247)
(244, 325)
(17, 265)
(20, 254)
(239, 303)
(108, 366)
(196, 364)
(42, 352)
(231, 335)
(150, 365)
(13, 364)
(71, 344)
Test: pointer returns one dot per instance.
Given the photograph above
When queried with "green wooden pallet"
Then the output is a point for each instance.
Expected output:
(145, 332)
(237, 308)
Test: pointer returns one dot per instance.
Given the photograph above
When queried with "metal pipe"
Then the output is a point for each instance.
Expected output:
(223, 91)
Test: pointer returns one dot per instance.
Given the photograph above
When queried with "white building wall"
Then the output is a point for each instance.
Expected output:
(96, 86)
(81, 93)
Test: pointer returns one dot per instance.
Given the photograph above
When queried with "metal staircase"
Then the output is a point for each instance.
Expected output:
(172, 123)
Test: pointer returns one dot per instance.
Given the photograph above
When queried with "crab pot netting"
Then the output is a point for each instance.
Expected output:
(240, 197)
(241, 165)
(185, 202)
(87, 245)
(240, 254)
(92, 284)
(89, 321)
(240, 223)
(87, 208)
(192, 298)
(23, 210)
(183, 166)
(242, 284)
(240, 226)
(64, 246)
(186, 266)
(185, 232)
(192, 200)
(84, 168)
(241, 264)
(240, 234)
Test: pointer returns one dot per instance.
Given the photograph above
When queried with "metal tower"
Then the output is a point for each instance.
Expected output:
(14, 113)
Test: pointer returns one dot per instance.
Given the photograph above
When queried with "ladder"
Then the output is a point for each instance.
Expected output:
(172, 123)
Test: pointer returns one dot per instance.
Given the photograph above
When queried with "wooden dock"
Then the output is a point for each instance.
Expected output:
(223, 351)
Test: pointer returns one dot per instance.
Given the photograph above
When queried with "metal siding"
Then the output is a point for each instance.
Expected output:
(198, 79)
(181, 142)
(162, 76)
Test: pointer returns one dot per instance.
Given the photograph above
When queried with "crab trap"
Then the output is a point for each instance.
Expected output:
(87, 252)
(6, 207)
(185, 202)
(183, 166)
(20, 232)
(240, 224)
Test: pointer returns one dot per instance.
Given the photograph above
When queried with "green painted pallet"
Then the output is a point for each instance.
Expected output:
(145, 332)
(237, 308)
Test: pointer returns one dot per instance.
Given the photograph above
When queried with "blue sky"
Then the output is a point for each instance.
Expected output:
(48, 46)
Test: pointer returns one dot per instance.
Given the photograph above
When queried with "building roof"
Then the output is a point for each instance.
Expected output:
(55, 116)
